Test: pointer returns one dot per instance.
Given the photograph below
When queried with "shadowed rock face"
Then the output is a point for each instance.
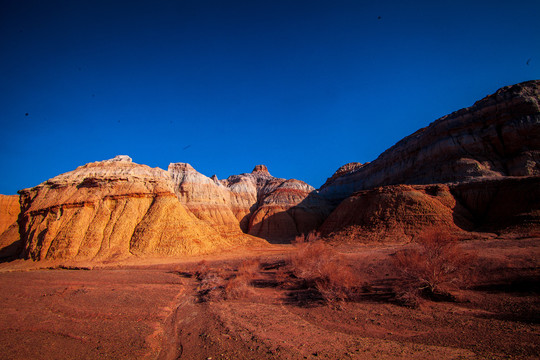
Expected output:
(510, 204)
(496, 137)
(111, 209)
(290, 209)
(488, 155)
(399, 212)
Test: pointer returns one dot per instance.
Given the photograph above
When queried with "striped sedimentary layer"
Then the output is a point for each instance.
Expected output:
(112, 209)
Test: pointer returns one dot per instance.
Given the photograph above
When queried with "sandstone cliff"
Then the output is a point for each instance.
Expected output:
(290, 209)
(256, 203)
(111, 209)
(206, 198)
(9, 230)
(501, 205)
(9, 211)
(116, 208)
(498, 136)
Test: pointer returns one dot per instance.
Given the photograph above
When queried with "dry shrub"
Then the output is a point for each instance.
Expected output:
(312, 236)
(212, 283)
(239, 285)
(282, 277)
(237, 288)
(249, 269)
(322, 268)
(220, 284)
(201, 270)
(437, 266)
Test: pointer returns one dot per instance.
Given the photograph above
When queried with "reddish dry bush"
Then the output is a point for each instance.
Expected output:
(437, 266)
(282, 277)
(211, 286)
(220, 284)
(312, 236)
(320, 267)
(201, 270)
(239, 286)
(249, 268)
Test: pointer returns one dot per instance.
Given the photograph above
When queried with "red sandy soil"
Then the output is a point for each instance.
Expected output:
(152, 309)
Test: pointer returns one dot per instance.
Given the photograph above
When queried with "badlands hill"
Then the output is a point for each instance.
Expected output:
(115, 208)
(485, 158)
(498, 136)
(477, 169)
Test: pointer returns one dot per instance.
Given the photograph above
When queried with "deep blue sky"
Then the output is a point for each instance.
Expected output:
(301, 86)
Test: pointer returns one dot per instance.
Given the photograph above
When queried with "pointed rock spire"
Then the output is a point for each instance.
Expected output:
(260, 169)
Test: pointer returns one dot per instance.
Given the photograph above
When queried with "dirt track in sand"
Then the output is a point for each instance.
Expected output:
(152, 311)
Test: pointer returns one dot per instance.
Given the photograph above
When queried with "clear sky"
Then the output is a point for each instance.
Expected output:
(300, 86)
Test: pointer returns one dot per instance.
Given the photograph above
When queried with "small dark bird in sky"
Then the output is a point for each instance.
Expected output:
(378, 18)
(26, 114)
(528, 61)
(186, 147)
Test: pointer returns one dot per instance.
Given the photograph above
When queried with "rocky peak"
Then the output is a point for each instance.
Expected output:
(180, 167)
(123, 158)
(345, 169)
(260, 169)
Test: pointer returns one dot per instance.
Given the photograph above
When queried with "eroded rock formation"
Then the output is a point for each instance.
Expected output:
(496, 137)
(112, 209)
(483, 162)
(477, 169)
(206, 198)
(290, 209)
(399, 212)
(9, 211)
(256, 203)
(116, 208)
(393, 212)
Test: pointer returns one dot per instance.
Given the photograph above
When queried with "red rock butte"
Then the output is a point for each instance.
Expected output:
(477, 169)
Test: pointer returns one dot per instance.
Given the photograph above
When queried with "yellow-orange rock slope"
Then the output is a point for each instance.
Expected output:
(10, 244)
(113, 209)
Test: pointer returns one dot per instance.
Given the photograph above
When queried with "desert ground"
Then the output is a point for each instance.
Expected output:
(247, 304)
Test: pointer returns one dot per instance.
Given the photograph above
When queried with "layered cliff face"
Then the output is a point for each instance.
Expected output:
(206, 198)
(496, 137)
(396, 212)
(290, 209)
(502, 205)
(484, 161)
(111, 209)
(9, 230)
(116, 208)
(255, 203)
